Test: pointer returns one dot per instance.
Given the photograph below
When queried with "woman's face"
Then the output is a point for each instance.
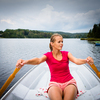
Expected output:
(58, 43)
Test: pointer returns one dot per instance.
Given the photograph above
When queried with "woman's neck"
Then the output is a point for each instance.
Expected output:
(56, 52)
(57, 55)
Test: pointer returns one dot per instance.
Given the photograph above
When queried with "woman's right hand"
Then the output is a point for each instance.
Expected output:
(89, 60)
(20, 63)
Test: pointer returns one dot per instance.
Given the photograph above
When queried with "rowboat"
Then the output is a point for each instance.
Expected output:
(39, 76)
(97, 44)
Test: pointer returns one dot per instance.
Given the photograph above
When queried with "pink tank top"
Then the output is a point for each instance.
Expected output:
(59, 69)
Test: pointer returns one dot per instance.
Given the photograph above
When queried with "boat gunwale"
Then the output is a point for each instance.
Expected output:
(92, 71)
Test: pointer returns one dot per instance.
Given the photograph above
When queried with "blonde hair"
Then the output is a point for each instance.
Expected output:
(52, 39)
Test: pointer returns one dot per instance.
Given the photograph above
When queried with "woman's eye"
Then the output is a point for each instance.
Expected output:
(60, 41)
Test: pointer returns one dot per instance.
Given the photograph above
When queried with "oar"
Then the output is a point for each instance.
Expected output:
(6, 84)
(95, 69)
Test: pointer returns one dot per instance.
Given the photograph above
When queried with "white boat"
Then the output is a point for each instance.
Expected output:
(39, 76)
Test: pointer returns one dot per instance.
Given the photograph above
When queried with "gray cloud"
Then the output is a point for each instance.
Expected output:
(51, 15)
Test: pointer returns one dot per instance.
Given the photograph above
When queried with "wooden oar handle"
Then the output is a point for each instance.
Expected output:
(9, 80)
(95, 69)
(16, 71)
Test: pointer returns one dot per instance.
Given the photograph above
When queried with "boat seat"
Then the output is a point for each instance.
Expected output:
(18, 93)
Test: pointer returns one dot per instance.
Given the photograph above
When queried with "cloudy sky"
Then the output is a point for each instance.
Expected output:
(50, 15)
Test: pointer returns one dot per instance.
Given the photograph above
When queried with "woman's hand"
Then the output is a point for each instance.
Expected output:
(89, 60)
(20, 63)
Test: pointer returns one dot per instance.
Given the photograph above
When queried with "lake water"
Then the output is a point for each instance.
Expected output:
(13, 49)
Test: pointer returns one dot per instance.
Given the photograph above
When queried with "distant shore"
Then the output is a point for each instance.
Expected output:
(91, 39)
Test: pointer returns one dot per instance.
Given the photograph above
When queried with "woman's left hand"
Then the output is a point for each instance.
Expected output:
(89, 60)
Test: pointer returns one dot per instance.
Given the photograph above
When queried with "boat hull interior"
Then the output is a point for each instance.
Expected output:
(39, 76)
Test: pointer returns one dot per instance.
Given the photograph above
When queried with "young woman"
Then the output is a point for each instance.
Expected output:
(62, 84)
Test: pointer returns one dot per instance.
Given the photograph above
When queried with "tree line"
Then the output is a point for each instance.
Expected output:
(95, 32)
(25, 33)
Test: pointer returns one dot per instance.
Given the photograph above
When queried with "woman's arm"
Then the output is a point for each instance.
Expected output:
(77, 61)
(35, 61)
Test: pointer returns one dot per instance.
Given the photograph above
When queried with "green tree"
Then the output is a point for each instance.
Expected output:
(95, 32)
